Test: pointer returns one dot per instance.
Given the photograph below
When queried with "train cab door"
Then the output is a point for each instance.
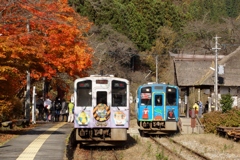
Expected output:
(158, 106)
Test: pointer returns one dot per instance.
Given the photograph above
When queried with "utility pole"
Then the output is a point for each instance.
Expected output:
(156, 68)
(34, 105)
(27, 100)
(216, 72)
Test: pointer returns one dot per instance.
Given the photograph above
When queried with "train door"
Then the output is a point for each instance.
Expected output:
(158, 107)
(101, 111)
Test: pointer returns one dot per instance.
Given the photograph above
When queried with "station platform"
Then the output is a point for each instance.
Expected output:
(46, 141)
(190, 126)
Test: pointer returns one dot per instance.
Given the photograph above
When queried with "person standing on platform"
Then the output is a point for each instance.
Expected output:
(64, 111)
(206, 107)
(40, 107)
(196, 107)
(70, 111)
(47, 108)
(58, 107)
(200, 109)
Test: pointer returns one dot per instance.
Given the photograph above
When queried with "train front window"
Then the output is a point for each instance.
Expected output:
(171, 96)
(158, 100)
(101, 97)
(84, 93)
(146, 96)
(119, 93)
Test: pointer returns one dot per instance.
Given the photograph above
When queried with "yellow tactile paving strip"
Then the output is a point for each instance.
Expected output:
(30, 152)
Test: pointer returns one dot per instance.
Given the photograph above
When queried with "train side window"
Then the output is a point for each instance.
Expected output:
(158, 100)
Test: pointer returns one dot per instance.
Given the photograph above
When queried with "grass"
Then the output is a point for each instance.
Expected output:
(226, 147)
(161, 156)
(136, 138)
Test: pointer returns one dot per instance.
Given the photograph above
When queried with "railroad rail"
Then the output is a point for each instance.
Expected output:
(229, 132)
(188, 151)
(115, 154)
(170, 151)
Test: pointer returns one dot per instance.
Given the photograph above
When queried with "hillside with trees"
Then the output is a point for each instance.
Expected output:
(62, 40)
(155, 28)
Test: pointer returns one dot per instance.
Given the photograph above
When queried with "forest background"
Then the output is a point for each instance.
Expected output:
(58, 41)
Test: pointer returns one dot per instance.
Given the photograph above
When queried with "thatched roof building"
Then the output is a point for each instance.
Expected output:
(194, 70)
(193, 74)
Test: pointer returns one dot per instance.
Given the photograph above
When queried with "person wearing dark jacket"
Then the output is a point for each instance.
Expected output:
(40, 107)
(64, 111)
(206, 107)
(58, 107)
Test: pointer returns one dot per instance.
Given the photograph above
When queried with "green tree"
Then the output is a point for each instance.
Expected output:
(232, 8)
(213, 10)
(226, 102)
(139, 20)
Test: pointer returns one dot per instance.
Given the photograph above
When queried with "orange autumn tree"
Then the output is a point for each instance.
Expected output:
(42, 37)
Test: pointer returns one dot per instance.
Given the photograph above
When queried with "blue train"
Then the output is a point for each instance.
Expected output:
(157, 109)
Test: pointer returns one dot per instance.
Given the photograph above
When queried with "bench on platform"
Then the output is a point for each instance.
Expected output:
(8, 124)
(21, 122)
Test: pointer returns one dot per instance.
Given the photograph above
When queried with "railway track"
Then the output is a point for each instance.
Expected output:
(115, 154)
(168, 150)
(95, 153)
(178, 150)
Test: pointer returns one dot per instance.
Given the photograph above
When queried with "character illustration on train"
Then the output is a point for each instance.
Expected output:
(157, 108)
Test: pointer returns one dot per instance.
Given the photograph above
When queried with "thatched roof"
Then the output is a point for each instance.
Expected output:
(194, 70)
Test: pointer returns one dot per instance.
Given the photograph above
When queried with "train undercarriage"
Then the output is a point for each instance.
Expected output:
(101, 134)
(158, 127)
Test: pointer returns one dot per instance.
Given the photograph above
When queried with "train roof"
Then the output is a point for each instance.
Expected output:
(92, 77)
(98, 75)
(157, 84)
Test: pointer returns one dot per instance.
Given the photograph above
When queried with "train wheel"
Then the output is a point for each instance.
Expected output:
(138, 123)
(142, 134)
